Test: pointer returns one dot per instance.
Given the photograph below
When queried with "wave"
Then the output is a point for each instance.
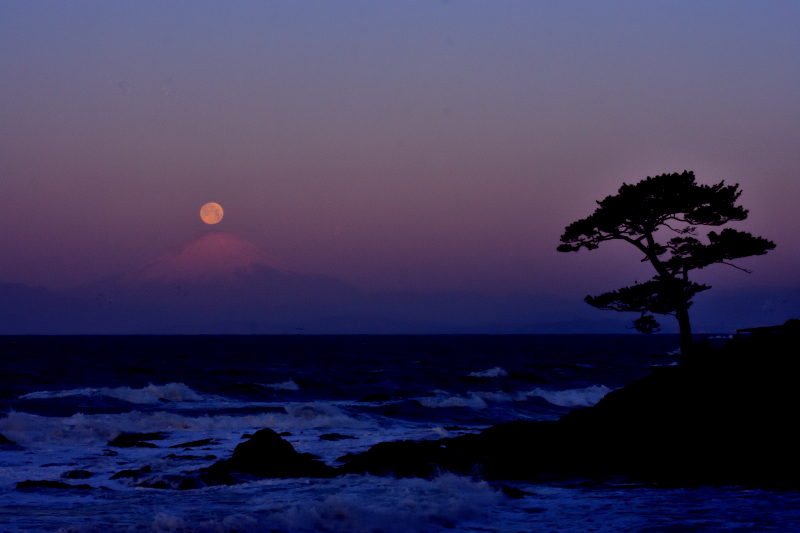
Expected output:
(286, 385)
(399, 506)
(496, 372)
(35, 431)
(151, 394)
(353, 504)
(584, 397)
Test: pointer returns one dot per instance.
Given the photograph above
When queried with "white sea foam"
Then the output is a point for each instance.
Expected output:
(389, 505)
(584, 397)
(496, 372)
(352, 504)
(151, 394)
(286, 385)
(472, 400)
(36, 431)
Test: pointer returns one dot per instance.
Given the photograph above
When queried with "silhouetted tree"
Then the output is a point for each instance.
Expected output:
(676, 203)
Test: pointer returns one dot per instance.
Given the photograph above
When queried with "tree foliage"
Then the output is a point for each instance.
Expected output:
(677, 204)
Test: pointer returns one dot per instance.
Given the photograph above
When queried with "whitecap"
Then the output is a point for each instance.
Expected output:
(585, 397)
(286, 385)
(496, 372)
(473, 401)
(35, 431)
(151, 394)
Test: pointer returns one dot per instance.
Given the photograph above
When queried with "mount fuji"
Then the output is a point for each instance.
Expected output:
(220, 283)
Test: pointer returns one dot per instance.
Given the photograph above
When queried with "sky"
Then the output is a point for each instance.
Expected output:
(398, 145)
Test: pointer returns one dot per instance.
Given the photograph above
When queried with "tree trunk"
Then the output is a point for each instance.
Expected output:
(682, 314)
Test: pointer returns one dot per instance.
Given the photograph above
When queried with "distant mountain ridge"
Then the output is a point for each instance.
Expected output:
(222, 284)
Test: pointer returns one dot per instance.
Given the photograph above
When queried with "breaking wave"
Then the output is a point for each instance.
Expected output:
(496, 372)
(584, 397)
(151, 394)
(286, 385)
(37, 431)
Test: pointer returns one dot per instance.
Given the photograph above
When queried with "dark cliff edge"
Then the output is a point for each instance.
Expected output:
(726, 417)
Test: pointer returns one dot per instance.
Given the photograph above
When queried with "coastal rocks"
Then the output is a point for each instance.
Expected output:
(726, 417)
(44, 484)
(195, 443)
(414, 459)
(134, 474)
(76, 474)
(267, 455)
(335, 437)
(137, 440)
(8, 444)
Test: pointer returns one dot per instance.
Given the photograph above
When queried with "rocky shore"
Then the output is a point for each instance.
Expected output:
(725, 416)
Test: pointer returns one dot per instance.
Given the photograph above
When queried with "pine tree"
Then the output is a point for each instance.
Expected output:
(672, 202)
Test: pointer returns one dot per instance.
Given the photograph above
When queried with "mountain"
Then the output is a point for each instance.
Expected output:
(222, 284)
(214, 257)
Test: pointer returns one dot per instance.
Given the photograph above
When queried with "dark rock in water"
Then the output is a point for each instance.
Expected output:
(43, 484)
(266, 454)
(76, 474)
(137, 440)
(335, 436)
(513, 492)
(194, 443)
(190, 457)
(415, 459)
(135, 474)
(378, 397)
(284, 434)
(8, 444)
(724, 417)
(174, 482)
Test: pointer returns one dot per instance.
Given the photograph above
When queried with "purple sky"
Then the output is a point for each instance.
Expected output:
(393, 145)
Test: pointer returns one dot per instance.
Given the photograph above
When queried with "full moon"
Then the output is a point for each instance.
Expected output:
(211, 213)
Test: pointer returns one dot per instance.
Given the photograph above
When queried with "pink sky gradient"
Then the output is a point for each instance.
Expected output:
(395, 145)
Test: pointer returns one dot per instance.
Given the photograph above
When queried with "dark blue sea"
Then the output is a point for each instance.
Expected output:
(63, 399)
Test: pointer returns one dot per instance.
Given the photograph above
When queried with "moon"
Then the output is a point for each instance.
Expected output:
(211, 213)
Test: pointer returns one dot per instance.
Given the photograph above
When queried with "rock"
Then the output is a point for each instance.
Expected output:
(135, 474)
(194, 443)
(513, 492)
(415, 459)
(137, 440)
(174, 482)
(44, 484)
(8, 444)
(190, 457)
(335, 437)
(266, 454)
(724, 417)
(377, 397)
(76, 474)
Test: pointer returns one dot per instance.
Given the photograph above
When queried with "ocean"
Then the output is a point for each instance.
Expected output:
(64, 400)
